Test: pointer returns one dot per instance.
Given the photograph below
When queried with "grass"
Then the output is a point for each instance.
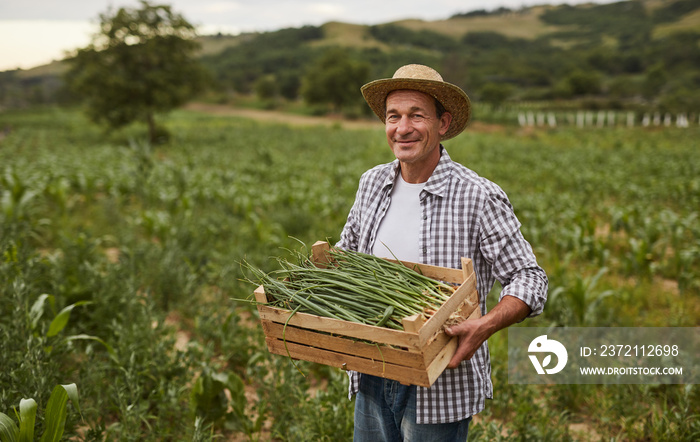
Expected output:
(151, 237)
(689, 23)
(525, 24)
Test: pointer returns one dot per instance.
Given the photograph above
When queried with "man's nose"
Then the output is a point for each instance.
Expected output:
(404, 125)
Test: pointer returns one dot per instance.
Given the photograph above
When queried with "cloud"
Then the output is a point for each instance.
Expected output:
(219, 7)
(326, 9)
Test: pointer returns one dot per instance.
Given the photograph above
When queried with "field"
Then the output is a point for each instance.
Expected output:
(142, 245)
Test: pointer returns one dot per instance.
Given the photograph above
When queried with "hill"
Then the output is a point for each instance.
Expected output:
(643, 53)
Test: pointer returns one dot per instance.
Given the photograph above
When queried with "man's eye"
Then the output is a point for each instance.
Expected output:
(392, 118)
(417, 116)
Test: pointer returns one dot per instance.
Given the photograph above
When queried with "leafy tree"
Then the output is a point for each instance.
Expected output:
(583, 82)
(335, 79)
(289, 84)
(654, 81)
(284, 54)
(496, 93)
(140, 63)
(266, 87)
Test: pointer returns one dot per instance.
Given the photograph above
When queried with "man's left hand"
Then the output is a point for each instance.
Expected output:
(472, 334)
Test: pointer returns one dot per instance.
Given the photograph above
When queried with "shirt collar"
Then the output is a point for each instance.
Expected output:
(438, 180)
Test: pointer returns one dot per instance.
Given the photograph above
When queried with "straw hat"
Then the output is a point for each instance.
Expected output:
(424, 79)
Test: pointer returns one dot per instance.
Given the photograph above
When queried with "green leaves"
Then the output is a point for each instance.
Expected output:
(55, 417)
(56, 411)
(61, 319)
(8, 429)
(27, 415)
(214, 394)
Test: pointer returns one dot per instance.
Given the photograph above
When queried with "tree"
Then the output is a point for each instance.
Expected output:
(583, 82)
(335, 79)
(496, 93)
(140, 63)
(266, 89)
(654, 81)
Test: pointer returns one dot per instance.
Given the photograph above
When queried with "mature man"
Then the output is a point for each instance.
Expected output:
(423, 207)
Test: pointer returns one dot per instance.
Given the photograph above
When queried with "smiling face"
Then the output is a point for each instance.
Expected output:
(413, 131)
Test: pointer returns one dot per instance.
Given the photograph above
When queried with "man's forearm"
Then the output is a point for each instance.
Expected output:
(507, 312)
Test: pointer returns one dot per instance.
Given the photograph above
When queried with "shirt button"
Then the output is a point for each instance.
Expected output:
(425, 250)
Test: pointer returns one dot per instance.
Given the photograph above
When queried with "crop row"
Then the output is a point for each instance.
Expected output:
(146, 242)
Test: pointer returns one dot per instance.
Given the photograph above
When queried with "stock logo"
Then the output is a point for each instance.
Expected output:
(543, 345)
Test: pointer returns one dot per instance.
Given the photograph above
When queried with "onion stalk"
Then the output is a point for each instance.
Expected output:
(353, 287)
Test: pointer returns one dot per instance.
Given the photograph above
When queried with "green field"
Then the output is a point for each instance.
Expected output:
(145, 243)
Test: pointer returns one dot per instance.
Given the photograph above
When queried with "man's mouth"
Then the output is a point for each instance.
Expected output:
(405, 142)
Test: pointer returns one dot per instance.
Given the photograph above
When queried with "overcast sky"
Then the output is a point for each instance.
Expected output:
(34, 32)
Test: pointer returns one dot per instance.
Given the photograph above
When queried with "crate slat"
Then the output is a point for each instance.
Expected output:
(405, 374)
(342, 344)
(346, 328)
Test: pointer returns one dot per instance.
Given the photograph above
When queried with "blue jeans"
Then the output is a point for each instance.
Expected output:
(385, 410)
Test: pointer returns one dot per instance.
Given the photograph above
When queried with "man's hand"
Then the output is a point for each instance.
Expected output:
(472, 334)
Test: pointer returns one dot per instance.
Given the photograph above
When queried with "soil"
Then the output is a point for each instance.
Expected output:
(282, 117)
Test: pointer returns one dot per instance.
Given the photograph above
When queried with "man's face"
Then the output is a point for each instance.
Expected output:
(413, 129)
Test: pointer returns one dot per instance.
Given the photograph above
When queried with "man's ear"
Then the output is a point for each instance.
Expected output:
(445, 121)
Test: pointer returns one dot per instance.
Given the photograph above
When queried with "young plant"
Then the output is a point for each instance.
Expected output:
(55, 417)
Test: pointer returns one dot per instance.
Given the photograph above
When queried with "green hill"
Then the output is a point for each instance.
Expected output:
(629, 54)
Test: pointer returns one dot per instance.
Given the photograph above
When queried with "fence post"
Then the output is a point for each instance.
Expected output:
(630, 119)
(522, 121)
(540, 119)
(530, 118)
(611, 118)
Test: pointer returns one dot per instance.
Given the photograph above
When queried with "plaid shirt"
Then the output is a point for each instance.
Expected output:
(463, 215)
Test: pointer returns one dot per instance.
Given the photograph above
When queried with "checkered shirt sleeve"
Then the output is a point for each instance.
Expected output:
(464, 215)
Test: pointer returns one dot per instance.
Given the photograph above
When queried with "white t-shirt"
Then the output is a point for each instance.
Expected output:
(399, 229)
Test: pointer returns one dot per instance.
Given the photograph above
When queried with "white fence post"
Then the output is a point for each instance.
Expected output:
(611, 118)
(522, 121)
(601, 118)
(540, 119)
(667, 119)
(530, 118)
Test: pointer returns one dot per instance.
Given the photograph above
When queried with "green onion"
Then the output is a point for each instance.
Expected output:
(354, 287)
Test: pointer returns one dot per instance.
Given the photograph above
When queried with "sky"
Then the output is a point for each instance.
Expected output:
(35, 32)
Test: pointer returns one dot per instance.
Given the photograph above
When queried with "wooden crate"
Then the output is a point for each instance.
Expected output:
(415, 356)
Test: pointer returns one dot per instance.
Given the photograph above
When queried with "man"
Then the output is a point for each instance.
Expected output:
(423, 207)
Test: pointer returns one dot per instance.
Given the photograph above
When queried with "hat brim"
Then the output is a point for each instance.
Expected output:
(453, 99)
